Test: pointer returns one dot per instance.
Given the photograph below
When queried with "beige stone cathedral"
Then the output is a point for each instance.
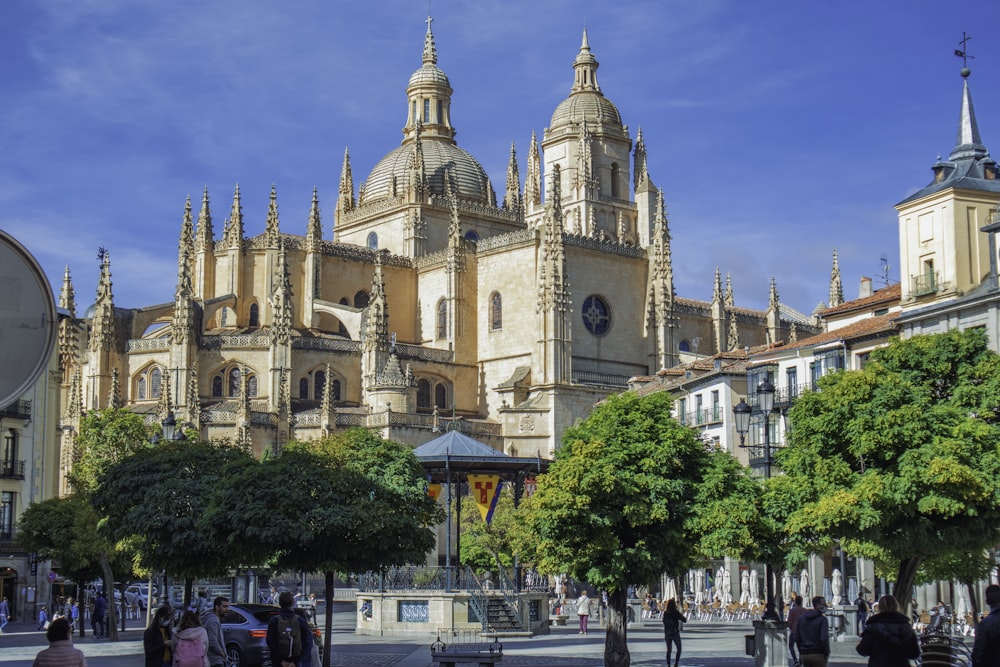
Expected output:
(431, 305)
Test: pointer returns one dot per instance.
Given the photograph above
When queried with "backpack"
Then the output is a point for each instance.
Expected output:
(190, 652)
(289, 636)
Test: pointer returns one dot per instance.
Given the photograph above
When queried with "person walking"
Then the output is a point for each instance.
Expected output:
(60, 652)
(74, 617)
(97, 623)
(287, 634)
(986, 649)
(813, 633)
(794, 613)
(4, 613)
(190, 644)
(211, 619)
(888, 639)
(156, 640)
(862, 604)
(43, 619)
(583, 611)
(672, 619)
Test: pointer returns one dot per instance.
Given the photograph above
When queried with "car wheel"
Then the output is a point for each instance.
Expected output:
(235, 656)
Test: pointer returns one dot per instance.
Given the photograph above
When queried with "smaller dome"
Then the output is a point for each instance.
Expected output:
(589, 106)
(90, 312)
(429, 74)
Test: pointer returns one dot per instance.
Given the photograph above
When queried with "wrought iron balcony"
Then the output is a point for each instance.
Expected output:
(17, 410)
(924, 284)
(11, 469)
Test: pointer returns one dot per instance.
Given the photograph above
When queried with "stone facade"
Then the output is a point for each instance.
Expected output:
(433, 301)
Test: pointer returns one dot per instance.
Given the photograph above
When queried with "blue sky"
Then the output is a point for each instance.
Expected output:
(777, 130)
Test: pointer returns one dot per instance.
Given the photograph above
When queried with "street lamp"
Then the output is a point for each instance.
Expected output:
(741, 415)
(170, 431)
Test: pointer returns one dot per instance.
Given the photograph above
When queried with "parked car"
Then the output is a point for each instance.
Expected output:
(138, 595)
(244, 628)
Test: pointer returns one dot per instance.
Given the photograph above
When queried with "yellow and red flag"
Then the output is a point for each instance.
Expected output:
(485, 491)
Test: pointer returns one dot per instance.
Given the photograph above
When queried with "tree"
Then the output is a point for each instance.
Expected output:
(486, 546)
(900, 460)
(616, 505)
(63, 530)
(107, 436)
(351, 502)
(159, 498)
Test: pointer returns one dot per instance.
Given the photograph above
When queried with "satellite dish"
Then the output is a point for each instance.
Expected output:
(27, 320)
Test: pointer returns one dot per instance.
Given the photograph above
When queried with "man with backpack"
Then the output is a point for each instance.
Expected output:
(211, 620)
(288, 635)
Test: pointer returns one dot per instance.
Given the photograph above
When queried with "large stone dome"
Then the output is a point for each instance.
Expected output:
(589, 106)
(467, 176)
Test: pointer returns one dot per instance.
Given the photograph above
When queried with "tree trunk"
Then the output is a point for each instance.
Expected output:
(616, 640)
(188, 591)
(903, 589)
(109, 588)
(328, 623)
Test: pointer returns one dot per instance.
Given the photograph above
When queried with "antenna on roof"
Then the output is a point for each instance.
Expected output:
(884, 259)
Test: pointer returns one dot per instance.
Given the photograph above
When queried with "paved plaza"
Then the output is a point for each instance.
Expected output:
(707, 644)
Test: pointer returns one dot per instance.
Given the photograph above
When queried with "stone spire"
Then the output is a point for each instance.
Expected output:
(734, 332)
(183, 324)
(376, 335)
(205, 238)
(234, 233)
(585, 66)
(166, 404)
(75, 408)
(641, 173)
(284, 394)
(773, 301)
(345, 194)
(327, 409)
(314, 229)
(115, 395)
(729, 298)
(552, 291)
(103, 324)
(430, 56)
(281, 300)
(272, 229)
(243, 437)
(717, 290)
(836, 284)
(719, 314)
(68, 342)
(417, 176)
(533, 181)
(660, 318)
(193, 401)
(512, 197)
(554, 356)
(186, 244)
(773, 316)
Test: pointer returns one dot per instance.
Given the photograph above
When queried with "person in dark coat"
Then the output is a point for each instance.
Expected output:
(986, 649)
(672, 619)
(888, 639)
(156, 639)
(813, 634)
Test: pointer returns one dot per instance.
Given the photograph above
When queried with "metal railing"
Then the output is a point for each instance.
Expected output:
(924, 284)
(11, 469)
(20, 409)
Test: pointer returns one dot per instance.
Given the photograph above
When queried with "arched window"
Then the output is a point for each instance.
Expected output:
(252, 385)
(361, 299)
(319, 383)
(304, 388)
(155, 383)
(140, 389)
(615, 187)
(684, 346)
(254, 315)
(496, 312)
(373, 240)
(441, 396)
(442, 319)
(217, 386)
(234, 382)
(427, 110)
(472, 235)
(423, 394)
(335, 390)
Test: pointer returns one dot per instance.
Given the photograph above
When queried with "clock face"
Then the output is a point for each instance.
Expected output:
(27, 320)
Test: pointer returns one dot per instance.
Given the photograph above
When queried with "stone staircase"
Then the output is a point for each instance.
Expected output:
(501, 618)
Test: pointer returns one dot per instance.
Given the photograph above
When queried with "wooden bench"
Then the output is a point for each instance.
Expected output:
(449, 658)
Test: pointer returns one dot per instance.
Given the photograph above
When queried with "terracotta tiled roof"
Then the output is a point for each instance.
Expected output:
(866, 327)
(886, 295)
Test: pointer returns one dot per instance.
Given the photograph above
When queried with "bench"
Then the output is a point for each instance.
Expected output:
(449, 658)
(558, 619)
(467, 649)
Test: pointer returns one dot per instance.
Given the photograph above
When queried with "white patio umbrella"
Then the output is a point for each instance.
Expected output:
(754, 587)
(745, 587)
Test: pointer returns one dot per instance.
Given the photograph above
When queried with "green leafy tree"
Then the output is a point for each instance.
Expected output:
(616, 505)
(63, 530)
(351, 502)
(900, 460)
(158, 498)
(485, 546)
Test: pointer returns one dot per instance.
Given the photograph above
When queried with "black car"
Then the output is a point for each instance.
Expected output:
(244, 627)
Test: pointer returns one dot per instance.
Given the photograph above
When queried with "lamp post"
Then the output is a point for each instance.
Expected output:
(741, 415)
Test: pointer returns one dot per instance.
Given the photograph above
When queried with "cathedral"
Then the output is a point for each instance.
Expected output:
(432, 304)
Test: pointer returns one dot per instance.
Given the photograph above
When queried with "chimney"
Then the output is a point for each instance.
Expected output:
(866, 287)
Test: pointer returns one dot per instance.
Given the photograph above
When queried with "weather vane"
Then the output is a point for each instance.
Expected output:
(101, 252)
(963, 52)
